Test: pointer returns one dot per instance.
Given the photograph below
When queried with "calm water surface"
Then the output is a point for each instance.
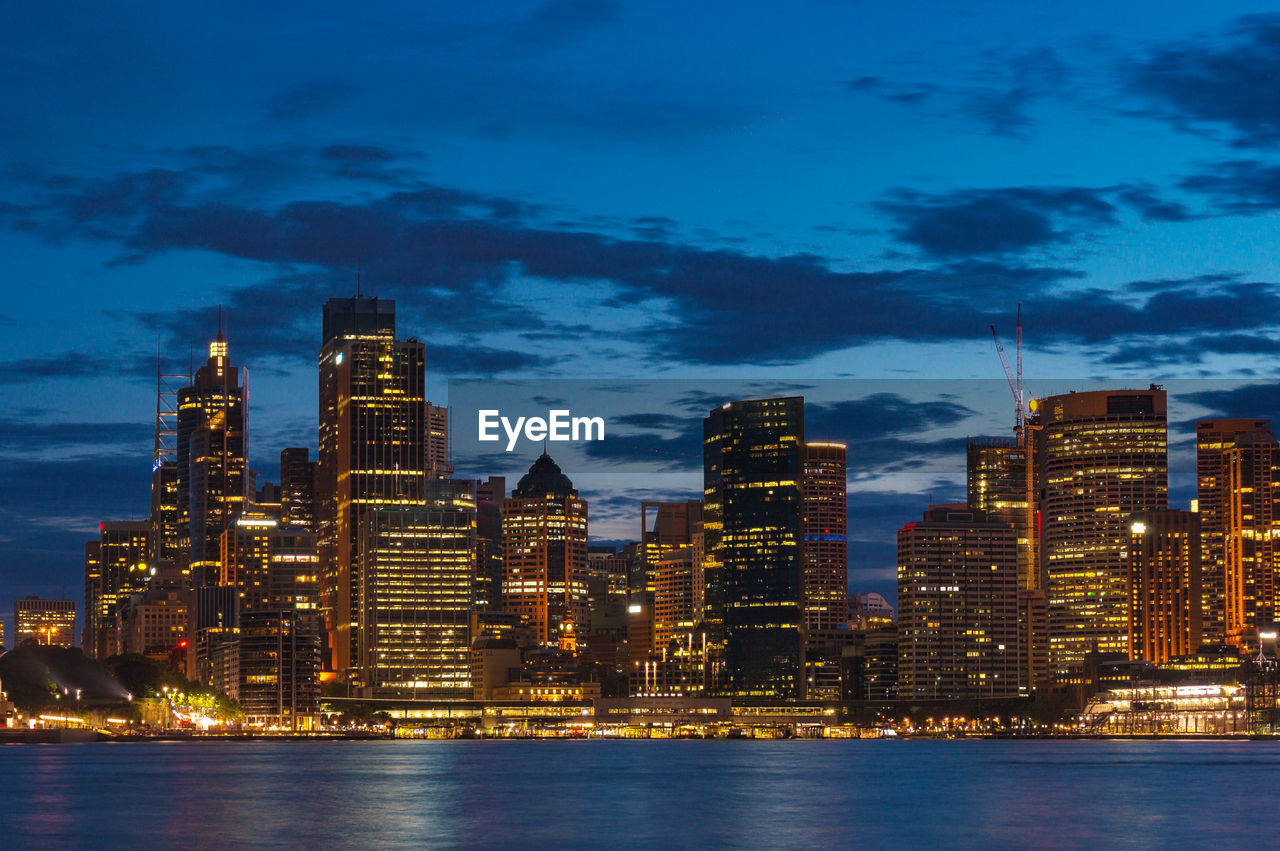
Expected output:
(1076, 794)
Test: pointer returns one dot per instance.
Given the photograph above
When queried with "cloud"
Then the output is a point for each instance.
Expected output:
(466, 265)
(996, 90)
(1231, 80)
(1192, 350)
(1240, 187)
(979, 222)
(25, 435)
(1248, 400)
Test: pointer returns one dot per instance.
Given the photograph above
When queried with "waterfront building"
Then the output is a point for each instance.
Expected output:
(753, 455)
(1214, 438)
(824, 514)
(116, 566)
(416, 567)
(544, 543)
(825, 566)
(1163, 557)
(1104, 457)
(957, 606)
(211, 462)
(1002, 484)
(1250, 525)
(44, 621)
(372, 450)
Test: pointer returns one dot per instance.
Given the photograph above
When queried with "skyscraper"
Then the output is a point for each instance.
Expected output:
(1250, 525)
(297, 488)
(1163, 555)
(1002, 485)
(417, 578)
(44, 621)
(1104, 457)
(544, 544)
(212, 480)
(1213, 439)
(957, 606)
(826, 538)
(752, 466)
(372, 449)
(122, 564)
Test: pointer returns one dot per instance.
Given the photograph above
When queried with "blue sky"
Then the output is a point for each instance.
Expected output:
(581, 188)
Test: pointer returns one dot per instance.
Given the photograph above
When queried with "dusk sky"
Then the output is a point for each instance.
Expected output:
(595, 189)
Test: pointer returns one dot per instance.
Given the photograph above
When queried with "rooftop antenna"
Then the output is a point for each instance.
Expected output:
(359, 293)
(219, 323)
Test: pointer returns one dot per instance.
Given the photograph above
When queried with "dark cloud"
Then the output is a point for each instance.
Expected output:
(1232, 80)
(75, 365)
(309, 99)
(1248, 400)
(997, 90)
(453, 257)
(24, 435)
(357, 153)
(1152, 207)
(979, 222)
(1192, 350)
(857, 421)
(558, 21)
(1242, 187)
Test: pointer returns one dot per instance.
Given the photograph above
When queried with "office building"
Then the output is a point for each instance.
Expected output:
(44, 622)
(212, 473)
(957, 606)
(297, 488)
(824, 513)
(1250, 525)
(437, 439)
(1164, 559)
(417, 575)
(1002, 484)
(372, 449)
(116, 566)
(753, 453)
(1104, 457)
(544, 544)
(1214, 439)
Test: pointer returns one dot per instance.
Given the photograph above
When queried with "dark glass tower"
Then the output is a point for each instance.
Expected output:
(752, 469)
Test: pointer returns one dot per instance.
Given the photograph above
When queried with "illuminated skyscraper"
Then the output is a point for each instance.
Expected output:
(753, 455)
(668, 565)
(544, 543)
(120, 559)
(957, 606)
(437, 438)
(297, 488)
(1003, 486)
(372, 449)
(211, 466)
(44, 622)
(417, 575)
(1104, 457)
(1213, 439)
(1163, 555)
(825, 577)
(1251, 528)
(92, 591)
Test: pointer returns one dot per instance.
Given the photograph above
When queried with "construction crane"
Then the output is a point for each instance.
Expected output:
(1015, 380)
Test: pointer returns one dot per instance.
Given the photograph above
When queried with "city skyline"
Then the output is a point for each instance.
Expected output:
(545, 200)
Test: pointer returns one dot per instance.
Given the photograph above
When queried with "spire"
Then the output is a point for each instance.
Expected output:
(220, 323)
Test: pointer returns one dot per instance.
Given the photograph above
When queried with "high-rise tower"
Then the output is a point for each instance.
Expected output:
(211, 462)
(372, 449)
(544, 545)
(1104, 456)
(753, 454)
